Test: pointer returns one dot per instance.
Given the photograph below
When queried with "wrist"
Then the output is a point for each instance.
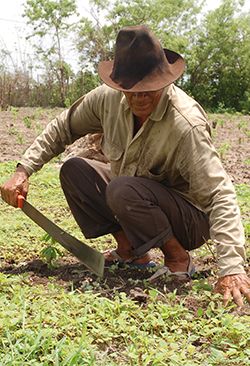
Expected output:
(21, 169)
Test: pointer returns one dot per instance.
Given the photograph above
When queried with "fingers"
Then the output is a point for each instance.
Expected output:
(9, 196)
(236, 286)
(25, 188)
(246, 293)
(226, 296)
(17, 184)
(237, 297)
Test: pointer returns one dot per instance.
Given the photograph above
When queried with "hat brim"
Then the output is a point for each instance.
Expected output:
(152, 82)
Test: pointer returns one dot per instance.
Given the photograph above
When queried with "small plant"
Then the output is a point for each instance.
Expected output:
(220, 122)
(246, 162)
(50, 253)
(14, 111)
(243, 126)
(38, 113)
(19, 137)
(12, 131)
(27, 121)
(223, 149)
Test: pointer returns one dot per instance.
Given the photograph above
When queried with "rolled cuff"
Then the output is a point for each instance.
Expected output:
(156, 242)
(28, 168)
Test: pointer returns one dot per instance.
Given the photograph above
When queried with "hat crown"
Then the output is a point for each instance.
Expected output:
(137, 54)
(140, 63)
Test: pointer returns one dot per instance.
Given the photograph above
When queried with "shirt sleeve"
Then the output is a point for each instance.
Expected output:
(211, 188)
(81, 118)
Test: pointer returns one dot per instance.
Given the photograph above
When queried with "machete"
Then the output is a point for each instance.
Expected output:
(90, 257)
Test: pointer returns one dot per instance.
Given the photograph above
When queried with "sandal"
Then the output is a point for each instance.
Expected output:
(132, 262)
(164, 270)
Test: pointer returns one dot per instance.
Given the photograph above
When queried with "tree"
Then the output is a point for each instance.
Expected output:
(218, 63)
(170, 20)
(50, 22)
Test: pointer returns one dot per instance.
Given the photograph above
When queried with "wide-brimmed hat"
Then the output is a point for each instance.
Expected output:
(140, 63)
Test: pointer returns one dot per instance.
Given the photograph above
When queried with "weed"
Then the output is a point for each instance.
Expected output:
(223, 149)
(27, 121)
(14, 111)
(50, 254)
(247, 161)
(19, 137)
(243, 126)
(55, 324)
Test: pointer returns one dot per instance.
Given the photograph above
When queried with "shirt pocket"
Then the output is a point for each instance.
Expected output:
(114, 154)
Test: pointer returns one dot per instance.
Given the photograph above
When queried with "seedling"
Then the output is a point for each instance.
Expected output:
(14, 111)
(223, 149)
(50, 253)
(27, 121)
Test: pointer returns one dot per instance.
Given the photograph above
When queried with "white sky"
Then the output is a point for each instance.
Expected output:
(13, 28)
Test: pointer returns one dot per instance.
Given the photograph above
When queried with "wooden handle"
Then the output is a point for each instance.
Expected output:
(20, 200)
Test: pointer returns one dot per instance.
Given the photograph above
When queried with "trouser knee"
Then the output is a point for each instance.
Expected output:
(66, 168)
(120, 195)
(70, 169)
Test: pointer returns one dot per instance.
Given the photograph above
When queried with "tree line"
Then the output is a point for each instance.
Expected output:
(215, 46)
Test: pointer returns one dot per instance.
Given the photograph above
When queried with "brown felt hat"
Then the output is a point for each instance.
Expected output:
(140, 63)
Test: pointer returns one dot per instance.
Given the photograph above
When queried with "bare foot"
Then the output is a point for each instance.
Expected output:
(176, 266)
(175, 256)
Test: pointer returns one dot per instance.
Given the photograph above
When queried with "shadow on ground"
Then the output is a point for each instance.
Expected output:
(74, 276)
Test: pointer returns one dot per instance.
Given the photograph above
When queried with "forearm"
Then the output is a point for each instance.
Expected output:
(70, 125)
(51, 142)
(211, 188)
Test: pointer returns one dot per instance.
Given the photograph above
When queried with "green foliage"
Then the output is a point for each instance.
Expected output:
(27, 121)
(82, 84)
(45, 14)
(50, 22)
(215, 46)
(176, 20)
(45, 321)
(218, 61)
(50, 253)
(222, 150)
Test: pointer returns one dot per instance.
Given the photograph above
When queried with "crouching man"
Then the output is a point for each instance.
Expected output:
(165, 186)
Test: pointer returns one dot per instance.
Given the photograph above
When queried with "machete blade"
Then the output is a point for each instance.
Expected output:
(90, 257)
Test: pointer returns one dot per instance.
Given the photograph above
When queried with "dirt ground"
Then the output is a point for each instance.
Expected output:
(18, 128)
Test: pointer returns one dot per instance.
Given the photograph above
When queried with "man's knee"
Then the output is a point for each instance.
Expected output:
(119, 193)
(68, 166)
(71, 166)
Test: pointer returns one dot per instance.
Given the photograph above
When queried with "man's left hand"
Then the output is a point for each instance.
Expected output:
(236, 286)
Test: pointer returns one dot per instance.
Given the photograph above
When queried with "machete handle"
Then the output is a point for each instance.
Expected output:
(20, 200)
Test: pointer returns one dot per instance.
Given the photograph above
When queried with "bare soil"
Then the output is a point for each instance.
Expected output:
(18, 128)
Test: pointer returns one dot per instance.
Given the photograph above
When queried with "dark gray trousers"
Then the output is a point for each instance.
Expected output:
(147, 211)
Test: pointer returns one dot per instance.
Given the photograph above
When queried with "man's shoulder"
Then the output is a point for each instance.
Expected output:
(186, 107)
(105, 91)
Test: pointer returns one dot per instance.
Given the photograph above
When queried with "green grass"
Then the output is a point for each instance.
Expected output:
(53, 324)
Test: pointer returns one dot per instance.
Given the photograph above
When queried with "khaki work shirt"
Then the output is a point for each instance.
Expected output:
(173, 146)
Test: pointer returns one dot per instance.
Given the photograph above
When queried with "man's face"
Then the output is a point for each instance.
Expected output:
(142, 104)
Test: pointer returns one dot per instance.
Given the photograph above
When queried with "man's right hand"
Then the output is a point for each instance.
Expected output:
(17, 184)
